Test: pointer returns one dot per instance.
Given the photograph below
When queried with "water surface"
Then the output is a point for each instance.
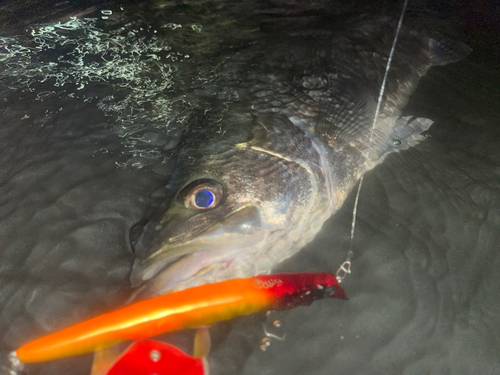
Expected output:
(91, 112)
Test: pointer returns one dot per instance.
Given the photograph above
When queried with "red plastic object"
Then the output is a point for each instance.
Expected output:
(150, 357)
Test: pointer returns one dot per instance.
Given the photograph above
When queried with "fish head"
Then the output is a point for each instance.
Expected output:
(222, 218)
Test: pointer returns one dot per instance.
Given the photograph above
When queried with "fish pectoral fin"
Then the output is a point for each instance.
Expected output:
(202, 343)
(446, 51)
(406, 133)
(106, 357)
(347, 111)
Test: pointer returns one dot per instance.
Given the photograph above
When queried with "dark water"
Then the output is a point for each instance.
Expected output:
(92, 109)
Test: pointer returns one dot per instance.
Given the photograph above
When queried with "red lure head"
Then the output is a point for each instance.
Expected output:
(300, 289)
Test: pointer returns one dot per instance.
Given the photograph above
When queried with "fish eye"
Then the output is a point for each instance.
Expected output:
(203, 196)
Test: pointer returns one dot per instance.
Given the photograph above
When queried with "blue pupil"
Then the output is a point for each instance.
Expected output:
(204, 198)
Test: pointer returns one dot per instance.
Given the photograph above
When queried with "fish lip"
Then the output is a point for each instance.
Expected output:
(141, 271)
(206, 241)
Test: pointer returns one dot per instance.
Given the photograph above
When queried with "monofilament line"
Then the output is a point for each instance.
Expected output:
(374, 124)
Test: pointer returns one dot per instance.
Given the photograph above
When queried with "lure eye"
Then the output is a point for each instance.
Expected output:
(204, 196)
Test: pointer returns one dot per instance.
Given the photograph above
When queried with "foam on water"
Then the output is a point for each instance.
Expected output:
(133, 66)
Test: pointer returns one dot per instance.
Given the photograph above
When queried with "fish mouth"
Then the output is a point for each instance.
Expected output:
(214, 248)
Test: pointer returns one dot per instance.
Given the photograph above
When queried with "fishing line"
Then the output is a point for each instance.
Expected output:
(345, 267)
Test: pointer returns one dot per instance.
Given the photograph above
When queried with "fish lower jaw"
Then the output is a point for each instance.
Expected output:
(167, 282)
(187, 271)
(204, 275)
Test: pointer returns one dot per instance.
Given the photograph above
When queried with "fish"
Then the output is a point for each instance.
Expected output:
(285, 139)
(186, 309)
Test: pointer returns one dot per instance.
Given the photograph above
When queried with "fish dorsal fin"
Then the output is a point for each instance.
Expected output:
(344, 112)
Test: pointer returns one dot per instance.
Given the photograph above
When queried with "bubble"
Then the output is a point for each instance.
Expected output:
(197, 28)
(172, 26)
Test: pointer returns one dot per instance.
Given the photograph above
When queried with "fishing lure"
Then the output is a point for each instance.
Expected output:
(190, 308)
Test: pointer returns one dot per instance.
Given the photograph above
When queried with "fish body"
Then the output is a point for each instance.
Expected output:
(279, 149)
(189, 308)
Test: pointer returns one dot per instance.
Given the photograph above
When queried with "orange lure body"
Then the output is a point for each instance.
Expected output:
(189, 308)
